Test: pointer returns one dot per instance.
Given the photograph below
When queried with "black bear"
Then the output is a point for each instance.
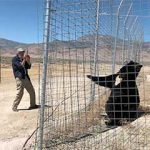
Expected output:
(124, 100)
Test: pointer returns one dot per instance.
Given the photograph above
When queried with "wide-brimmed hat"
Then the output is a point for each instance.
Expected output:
(20, 50)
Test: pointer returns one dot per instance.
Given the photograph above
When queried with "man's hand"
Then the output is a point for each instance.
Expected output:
(27, 58)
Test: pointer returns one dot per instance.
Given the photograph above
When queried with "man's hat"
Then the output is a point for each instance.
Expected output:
(20, 50)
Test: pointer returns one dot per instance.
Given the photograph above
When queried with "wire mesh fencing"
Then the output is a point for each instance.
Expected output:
(94, 58)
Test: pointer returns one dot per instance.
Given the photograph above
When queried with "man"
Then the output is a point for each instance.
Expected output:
(21, 64)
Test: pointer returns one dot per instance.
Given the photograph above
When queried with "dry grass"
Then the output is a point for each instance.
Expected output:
(79, 123)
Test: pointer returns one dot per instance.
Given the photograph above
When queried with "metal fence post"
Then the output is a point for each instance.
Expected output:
(124, 33)
(116, 36)
(130, 55)
(44, 75)
(95, 48)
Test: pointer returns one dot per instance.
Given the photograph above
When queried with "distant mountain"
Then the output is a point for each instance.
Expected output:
(5, 44)
(146, 46)
(82, 42)
(9, 47)
(87, 42)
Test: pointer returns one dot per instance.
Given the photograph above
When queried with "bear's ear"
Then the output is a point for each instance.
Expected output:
(131, 62)
(138, 68)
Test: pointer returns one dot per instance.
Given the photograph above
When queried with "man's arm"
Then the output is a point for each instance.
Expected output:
(17, 63)
(27, 62)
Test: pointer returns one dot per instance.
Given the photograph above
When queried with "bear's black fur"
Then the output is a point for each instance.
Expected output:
(124, 100)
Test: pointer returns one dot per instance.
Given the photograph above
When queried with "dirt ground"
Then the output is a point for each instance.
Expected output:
(131, 136)
(16, 127)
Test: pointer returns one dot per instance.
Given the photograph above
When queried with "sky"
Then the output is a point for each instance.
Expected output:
(145, 13)
(22, 20)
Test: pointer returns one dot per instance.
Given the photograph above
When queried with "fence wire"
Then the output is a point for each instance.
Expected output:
(95, 38)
